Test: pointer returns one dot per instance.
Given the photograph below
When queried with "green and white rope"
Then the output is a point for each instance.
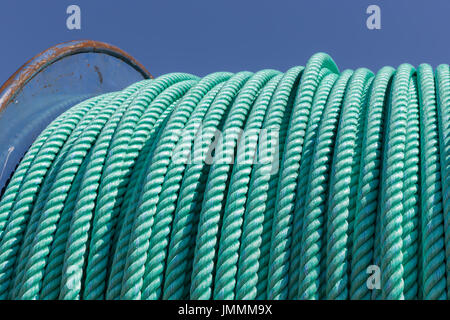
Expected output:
(262, 185)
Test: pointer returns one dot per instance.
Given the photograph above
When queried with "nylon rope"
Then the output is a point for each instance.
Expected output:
(298, 185)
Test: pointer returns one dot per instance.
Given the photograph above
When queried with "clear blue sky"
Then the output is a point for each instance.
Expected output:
(202, 36)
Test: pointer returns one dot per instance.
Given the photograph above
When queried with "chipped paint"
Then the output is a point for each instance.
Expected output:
(20, 78)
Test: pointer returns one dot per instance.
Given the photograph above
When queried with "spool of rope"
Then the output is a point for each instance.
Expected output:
(262, 185)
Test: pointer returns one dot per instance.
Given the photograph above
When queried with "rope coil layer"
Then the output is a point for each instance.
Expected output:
(309, 184)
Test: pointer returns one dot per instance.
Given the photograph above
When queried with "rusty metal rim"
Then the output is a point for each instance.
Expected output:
(33, 66)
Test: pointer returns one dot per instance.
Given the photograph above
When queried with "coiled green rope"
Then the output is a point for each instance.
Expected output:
(239, 186)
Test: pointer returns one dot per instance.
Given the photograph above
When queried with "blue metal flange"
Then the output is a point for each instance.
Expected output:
(52, 82)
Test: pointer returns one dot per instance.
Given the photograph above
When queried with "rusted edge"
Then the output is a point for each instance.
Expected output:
(33, 66)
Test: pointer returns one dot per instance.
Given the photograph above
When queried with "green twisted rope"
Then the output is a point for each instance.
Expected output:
(443, 100)
(311, 252)
(369, 184)
(391, 216)
(247, 186)
(432, 225)
(343, 184)
(316, 69)
(252, 281)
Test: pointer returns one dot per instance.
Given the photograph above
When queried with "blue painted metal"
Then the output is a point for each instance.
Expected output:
(51, 83)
